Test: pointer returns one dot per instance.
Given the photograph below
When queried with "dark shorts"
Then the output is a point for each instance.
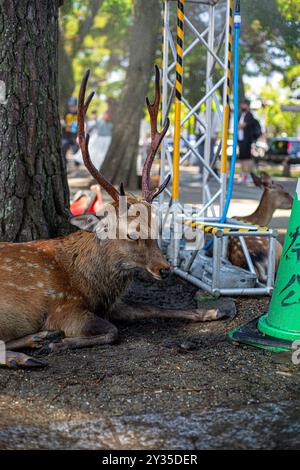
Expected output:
(245, 150)
(69, 142)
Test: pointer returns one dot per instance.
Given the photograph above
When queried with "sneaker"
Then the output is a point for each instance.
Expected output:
(241, 178)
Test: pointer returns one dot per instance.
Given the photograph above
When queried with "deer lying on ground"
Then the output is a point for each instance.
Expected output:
(62, 293)
(274, 197)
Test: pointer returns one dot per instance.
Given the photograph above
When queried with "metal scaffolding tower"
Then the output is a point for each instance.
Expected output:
(208, 27)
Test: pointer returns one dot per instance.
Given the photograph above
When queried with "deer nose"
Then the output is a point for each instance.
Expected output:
(165, 272)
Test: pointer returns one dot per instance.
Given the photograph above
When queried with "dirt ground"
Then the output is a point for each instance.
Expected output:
(167, 384)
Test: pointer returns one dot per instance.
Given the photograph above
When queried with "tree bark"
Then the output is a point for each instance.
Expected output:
(33, 183)
(120, 161)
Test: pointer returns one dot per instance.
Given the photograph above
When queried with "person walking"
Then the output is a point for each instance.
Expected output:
(246, 135)
(100, 136)
(69, 128)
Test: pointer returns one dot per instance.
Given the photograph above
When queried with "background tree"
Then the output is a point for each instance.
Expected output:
(93, 34)
(33, 185)
(84, 15)
(117, 40)
(120, 161)
(270, 38)
(277, 121)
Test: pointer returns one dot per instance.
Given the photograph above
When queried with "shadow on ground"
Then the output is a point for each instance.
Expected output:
(167, 384)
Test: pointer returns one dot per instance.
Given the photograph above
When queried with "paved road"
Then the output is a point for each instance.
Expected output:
(244, 201)
(268, 426)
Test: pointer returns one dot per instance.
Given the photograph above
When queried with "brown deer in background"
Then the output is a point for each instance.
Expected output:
(274, 197)
(62, 293)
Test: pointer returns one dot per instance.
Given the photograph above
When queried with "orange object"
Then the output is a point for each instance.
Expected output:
(88, 204)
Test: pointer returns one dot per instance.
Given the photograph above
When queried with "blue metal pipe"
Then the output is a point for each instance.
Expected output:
(237, 26)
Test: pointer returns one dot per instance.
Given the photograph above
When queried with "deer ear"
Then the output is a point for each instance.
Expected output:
(87, 222)
(266, 179)
(256, 180)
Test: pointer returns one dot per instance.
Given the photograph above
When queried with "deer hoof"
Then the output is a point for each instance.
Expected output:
(226, 310)
(16, 360)
(34, 363)
(49, 348)
(40, 339)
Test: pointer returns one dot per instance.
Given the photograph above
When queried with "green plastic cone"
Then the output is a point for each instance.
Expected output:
(283, 318)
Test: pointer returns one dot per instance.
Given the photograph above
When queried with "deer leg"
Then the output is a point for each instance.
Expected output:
(138, 311)
(261, 272)
(77, 343)
(34, 341)
(16, 360)
(95, 331)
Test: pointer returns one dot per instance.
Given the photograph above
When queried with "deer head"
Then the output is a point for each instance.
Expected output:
(275, 194)
(132, 248)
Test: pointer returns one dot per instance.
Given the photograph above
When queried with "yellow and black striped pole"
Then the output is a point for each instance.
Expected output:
(214, 230)
(228, 89)
(178, 96)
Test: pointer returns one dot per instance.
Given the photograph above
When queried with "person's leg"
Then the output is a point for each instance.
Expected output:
(212, 146)
(241, 174)
(243, 171)
(74, 146)
(201, 151)
(248, 165)
(246, 160)
(65, 147)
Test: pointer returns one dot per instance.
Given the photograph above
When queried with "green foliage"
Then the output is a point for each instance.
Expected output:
(277, 121)
(290, 9)
(268, 38)
(103, 47)
(270, 41)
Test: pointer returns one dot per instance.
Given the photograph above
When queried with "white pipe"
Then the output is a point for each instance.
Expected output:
(235, 291)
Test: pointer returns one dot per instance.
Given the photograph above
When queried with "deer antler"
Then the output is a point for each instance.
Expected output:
(156, 138)
(84, 140)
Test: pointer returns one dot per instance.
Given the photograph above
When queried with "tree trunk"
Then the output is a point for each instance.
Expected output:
(33, 183)
(120, 161)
